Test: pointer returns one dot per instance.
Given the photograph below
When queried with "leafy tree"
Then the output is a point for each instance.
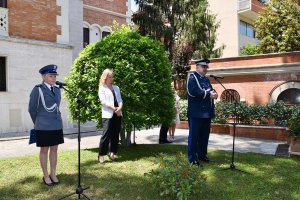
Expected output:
(141, 70)
(250, 49)
(278, 27)
(181, 25)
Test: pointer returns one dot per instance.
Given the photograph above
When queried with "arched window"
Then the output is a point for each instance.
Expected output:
(86, 36)
(230, 96)
(105, 31)
(290, 96)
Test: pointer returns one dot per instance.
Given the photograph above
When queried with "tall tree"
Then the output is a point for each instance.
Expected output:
(278, 27)
(181, 25)
(142, 71)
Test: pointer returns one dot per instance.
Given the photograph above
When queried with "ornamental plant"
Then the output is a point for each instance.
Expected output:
(141, 70)
(175, 177)
(294, 122)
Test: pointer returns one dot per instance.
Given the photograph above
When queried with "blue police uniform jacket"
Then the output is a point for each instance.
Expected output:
(200, 105)
(44, 114)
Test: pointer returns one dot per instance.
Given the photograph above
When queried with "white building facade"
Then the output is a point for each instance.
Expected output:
(37, 33)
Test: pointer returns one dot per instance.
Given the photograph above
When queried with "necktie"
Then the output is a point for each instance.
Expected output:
(52, 91)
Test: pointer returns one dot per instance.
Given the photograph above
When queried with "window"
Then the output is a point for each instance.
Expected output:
(105, 33)
(3, 3)
(86, 37)
(2, 74)
(247, 29)
(290, 96)
(230, 96)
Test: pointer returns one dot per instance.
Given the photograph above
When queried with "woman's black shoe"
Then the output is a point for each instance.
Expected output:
(54, 181)
(48, 184)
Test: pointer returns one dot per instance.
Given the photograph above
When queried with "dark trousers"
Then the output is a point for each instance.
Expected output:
(163, 133)
(111, 130)
(198, 138)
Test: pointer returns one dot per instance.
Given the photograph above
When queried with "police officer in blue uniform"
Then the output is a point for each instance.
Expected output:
(200, 111)
(44, 111)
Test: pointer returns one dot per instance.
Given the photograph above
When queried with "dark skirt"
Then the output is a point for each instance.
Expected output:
(49, 138)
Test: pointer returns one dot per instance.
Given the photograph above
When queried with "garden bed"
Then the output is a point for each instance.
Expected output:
(250, 131)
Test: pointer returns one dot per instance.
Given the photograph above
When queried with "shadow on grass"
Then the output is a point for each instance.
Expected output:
(140, 151)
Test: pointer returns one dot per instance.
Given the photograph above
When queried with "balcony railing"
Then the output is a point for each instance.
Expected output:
(244, 4)
(4, 21)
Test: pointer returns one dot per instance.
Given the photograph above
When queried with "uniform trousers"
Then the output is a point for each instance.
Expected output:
(198, 138)
(110, 138)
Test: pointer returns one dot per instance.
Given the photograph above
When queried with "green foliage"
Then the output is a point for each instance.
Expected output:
(223, 111)
(294, 122)
(182, 53)
(254, 114)
(183, 103)
(279, 112)
(250, 49)
(176, 177)
(184, 26)
(141, 70)
(278, 28)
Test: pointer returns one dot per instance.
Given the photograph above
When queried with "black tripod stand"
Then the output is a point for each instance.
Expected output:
(232, 165)
(79, 189)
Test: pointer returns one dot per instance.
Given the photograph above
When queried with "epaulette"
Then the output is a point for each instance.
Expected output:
(38, 85)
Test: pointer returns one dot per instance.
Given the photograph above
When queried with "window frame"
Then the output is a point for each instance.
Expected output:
(3, 74)
(230, 95)
(3, 3)
(247, 31)
(86, 36)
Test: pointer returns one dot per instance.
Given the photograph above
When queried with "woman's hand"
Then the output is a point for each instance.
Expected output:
(118, 111)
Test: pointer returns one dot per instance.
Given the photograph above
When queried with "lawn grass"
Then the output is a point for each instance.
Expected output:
(271, 177)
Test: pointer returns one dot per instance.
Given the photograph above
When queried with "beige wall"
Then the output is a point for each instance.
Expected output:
(228, 32)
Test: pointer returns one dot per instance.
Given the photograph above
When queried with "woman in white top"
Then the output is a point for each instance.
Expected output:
(111, 100)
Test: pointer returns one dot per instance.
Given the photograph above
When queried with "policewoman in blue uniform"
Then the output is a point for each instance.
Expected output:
(200, 111)
(44, 110)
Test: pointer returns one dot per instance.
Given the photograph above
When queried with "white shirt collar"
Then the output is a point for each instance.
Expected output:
(48, 86)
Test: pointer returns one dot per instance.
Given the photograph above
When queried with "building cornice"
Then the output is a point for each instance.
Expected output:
(104, 11)
(34, 42)
(258, 69)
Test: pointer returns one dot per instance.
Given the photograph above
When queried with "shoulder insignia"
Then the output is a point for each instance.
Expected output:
(38, 85)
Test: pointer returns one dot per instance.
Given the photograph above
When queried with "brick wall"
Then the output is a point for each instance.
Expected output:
(102, 18)
(255, 88)
(118, 6)
(34, 19)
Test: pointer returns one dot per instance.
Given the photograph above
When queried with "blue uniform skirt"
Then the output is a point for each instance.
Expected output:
(49, 138)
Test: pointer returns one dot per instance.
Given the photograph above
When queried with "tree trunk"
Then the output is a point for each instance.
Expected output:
(125, 138)
(122, 135)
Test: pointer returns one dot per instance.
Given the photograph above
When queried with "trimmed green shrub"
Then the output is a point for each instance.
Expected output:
(294, 122)
(223, 111)
(141, 70)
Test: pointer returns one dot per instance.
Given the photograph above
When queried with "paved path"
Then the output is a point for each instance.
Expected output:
(20, 147)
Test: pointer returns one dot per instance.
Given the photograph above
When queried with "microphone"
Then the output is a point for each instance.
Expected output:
(60, 84)
(213, 76)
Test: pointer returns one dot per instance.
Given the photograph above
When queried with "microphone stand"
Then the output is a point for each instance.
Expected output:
(232, 165)
(79, 189)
